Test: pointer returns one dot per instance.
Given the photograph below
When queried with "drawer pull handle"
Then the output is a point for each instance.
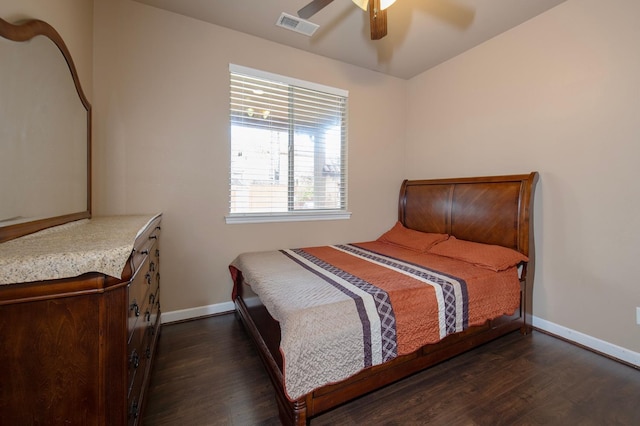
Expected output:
(152, 298)
(145, 251)
(152, 267)
(133, 411)
(153, 237)
(148, 352)
(147, 276)
(134, 360)
(135, 308)
(147, 316)
(157, 252)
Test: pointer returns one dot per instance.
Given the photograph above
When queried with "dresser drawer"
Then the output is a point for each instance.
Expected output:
(154, 303)
(144, 279)
(144, 326)
(138, 288)
(143, 245)
(143, 335)
(143, 317)
(140, 360)
(135, 390)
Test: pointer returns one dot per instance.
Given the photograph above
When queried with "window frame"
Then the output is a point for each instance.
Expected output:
(292, 215)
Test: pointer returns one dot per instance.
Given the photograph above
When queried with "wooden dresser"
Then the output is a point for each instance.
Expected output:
(79, 351)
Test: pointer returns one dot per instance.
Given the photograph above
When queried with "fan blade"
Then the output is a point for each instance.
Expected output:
(377, 20)
(451, 12)
(312, 8)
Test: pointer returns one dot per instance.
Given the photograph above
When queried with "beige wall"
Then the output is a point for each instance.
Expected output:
(161, 142)
(73, 19)
(559, 94)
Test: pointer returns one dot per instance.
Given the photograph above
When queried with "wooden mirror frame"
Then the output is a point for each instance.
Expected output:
(25, 31)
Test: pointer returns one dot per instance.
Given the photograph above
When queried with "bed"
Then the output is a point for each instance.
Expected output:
(453, 238)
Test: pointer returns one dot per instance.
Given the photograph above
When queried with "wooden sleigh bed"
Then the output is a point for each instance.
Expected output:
(496, 210)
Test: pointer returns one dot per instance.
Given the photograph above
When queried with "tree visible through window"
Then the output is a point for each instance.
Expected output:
(288, 146)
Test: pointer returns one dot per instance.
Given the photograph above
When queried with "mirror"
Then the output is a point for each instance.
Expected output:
(45, 132)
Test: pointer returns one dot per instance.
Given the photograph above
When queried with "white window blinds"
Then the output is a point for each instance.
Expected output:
(288, 148)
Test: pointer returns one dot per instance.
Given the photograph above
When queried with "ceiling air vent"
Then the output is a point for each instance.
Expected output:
(296, 24)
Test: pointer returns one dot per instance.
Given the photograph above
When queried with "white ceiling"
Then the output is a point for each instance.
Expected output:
(421, 33)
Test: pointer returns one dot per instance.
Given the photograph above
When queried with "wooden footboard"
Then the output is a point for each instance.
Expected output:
(490, 210)
(264, 331)
(259, 324)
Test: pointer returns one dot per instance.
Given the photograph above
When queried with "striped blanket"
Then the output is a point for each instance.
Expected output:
(344, 308)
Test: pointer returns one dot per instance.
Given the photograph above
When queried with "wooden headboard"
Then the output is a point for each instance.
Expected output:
(491, 210)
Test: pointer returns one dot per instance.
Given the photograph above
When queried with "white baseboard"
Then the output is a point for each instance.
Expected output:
(590, 342)
(593, 343)
(201, 311)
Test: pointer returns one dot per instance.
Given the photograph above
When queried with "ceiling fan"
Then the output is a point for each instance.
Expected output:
(377, 13)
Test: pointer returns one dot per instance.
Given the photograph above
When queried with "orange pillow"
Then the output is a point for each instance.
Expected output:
(411, 239)
(489, 256)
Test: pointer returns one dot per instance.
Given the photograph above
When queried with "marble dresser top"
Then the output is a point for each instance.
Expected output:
(100, 244)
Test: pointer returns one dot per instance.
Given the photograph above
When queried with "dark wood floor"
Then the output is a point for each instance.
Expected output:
(208, 373)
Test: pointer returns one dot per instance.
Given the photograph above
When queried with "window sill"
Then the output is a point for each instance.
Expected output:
(287, 217)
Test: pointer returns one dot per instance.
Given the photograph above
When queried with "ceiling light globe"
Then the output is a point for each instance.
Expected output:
(386, 3)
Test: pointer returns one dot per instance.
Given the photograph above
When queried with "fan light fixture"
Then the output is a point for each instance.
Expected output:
(362, 4)
(376, 8)
(386, 3)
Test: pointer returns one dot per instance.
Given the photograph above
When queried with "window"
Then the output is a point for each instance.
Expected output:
(288, 149)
